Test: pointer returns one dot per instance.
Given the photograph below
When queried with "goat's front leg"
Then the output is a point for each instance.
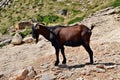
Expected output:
(63, 54)
(57, 56)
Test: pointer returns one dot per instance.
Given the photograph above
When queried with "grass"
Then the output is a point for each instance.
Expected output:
(77, 19)
(21, 10)
(4, 30)
(1, 45)
(49, 18)
(25, 33)
(116, 3)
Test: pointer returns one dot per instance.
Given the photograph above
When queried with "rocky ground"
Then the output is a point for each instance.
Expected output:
(105, 43)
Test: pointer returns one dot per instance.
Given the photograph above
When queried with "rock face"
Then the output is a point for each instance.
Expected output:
(17, 39)
(22, 25)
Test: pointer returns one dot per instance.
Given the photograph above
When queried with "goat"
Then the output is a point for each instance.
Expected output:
(59, 36)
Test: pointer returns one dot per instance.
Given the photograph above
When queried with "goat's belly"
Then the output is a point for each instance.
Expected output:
(73, 43)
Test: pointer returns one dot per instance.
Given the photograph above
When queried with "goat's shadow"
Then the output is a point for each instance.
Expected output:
(83, 65)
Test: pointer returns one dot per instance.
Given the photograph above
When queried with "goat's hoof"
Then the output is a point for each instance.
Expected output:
(64, 62)
(56, 63)
(89, 63)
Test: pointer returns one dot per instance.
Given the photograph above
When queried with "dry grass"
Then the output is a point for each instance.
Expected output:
(20, 10)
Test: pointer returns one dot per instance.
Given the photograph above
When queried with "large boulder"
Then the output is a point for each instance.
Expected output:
(22, 25)
(17, 39)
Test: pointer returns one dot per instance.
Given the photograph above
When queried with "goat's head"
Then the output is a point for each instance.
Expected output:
(36, 30)
(35, 33)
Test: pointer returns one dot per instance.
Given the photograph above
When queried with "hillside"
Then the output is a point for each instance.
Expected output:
(105, 42)
(24, 10)
(32, 61)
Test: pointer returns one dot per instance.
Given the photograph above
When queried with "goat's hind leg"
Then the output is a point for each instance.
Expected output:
(63, 54)
(57, 56)
(90, 52)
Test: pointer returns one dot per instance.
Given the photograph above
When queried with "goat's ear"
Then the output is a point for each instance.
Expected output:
(42, 23)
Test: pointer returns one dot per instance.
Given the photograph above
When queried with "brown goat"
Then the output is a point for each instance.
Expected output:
(59, 36)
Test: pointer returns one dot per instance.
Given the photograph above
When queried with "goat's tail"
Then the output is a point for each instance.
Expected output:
(92, 26)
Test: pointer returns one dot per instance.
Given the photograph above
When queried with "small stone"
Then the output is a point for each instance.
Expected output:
(100, 66)
(80, 78)
(48, 76)
(85, 72)
(28, 39)
(44, 66)
(1, 75)
(98, 70)
(110, 67)
(32, 73)
(70, 60)
(23, 75)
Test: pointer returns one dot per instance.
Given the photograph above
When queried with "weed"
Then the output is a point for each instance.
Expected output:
(49, 18)
(1, 45)
(77, 19)
(3, 30)
(116, 3)
(25, 33)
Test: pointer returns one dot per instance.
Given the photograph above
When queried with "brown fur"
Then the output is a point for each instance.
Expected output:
(75, 35)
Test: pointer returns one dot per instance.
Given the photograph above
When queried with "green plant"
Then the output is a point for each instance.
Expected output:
(1, 45)
(49, 18)
(25, 32)
(77, 19)
(116, 3)
(3, 30)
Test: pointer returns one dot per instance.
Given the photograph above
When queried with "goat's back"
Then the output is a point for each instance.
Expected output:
(72, 33)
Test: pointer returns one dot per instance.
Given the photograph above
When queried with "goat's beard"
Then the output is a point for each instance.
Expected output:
(37, 39)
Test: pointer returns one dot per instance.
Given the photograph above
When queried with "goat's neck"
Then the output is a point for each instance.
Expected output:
(46, 33)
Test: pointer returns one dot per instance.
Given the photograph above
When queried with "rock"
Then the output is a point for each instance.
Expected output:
(85, 72)
(27, 74)
(1, 75)
(22, 25)
(28, 39)
(7, 41)
(32, 73)
(48, 76)
(65, 75)
(98, 70)
(63, 12)
(23, 75)
(44, 66)
(80, 78)
(110, 67)
(105, 11)
(101, 66)
(17, 39)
